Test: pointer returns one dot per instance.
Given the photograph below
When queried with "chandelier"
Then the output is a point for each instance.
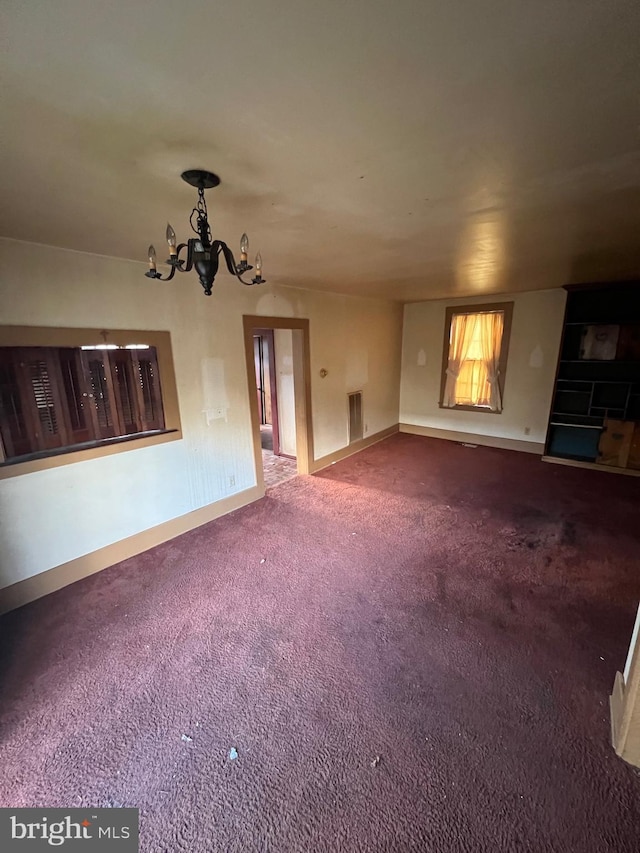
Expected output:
(203, 252)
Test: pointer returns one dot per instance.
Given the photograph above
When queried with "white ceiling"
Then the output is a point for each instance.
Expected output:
(411, 149)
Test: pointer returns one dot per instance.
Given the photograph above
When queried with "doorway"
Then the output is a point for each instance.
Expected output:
(277, 351)
(273, 360)
(267, 390)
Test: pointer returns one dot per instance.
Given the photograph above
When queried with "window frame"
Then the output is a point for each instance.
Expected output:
(479, 308)
(43, 336)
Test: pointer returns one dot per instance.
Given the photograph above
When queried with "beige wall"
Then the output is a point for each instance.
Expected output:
(531, 366)
(53, 516)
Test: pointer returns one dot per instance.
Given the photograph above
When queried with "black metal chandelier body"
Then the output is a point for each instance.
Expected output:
(203, 252)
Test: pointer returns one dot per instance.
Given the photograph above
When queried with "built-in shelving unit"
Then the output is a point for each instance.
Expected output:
(595, 412)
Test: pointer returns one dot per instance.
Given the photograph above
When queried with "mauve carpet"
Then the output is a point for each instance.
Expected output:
(411, 651)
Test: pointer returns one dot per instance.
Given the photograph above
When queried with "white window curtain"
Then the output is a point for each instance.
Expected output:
(460, 342)
(491, 329)
(474, 351)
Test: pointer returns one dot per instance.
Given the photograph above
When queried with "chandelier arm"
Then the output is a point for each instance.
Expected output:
(178, 265)
(228, 256)
(159, 277)
(184, 266)
(248, 283)
(233, 267)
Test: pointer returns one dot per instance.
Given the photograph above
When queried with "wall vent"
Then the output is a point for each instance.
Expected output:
(355, 417)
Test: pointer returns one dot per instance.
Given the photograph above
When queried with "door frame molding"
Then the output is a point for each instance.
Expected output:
(301, 386)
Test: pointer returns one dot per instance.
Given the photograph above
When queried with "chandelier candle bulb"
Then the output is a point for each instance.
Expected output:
(244, 247)
(258, 264)
(152, 259)
(171, 240)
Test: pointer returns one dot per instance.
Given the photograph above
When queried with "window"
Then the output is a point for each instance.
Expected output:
(475, 357)
(57, 400)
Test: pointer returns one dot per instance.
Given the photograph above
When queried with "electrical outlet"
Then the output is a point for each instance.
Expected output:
(232, 480)
(527, 430)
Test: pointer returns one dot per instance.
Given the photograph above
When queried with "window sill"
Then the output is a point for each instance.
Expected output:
(83, 452)
(485, 409)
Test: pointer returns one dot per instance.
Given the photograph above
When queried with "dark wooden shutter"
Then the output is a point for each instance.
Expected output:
(100, 393)
(125, 391)
(76, 393)
(148, 385)
(41, 396)
(16, 436)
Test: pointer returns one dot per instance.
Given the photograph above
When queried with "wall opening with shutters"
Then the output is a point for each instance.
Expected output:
(55, 399)
(355, 417)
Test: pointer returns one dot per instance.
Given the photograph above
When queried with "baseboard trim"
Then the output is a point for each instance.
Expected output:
(473, 438)
(592, 466)
(350, 449)
(53, 579)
